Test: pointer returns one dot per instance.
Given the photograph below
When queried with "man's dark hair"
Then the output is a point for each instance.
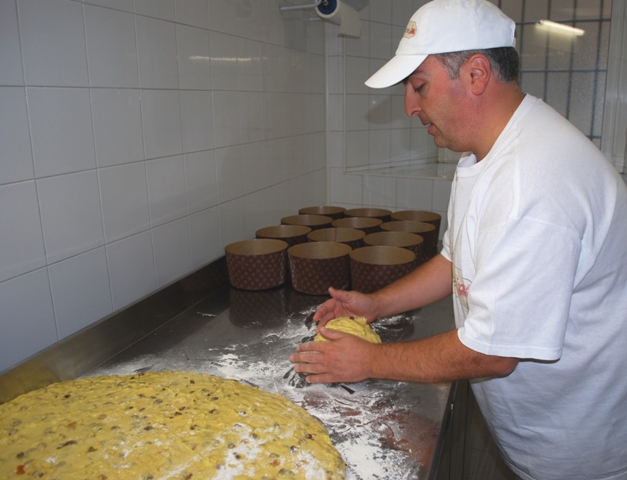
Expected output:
(504, 62)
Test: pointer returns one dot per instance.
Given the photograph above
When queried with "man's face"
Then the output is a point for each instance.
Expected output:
(439, 102)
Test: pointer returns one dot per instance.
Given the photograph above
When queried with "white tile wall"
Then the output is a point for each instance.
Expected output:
(201, 181)
(194, 60)
(223, 62)
(379, 147)
(381, 11)
(131, 268)
(16, 161)
(163, 9)
(222, 16)
(229, 173)
(116, 114)
(172, 251)
(414, 191)
(138, 138)
(192, 12)
(567, 73)
(402, 10)
(166, 189)
(379, 191)
(28, 326)
(61, 129)
(10, 57)
(156, 52)
(20, 224)
(124, 5)
(111, 50)
(71, 214)
(161, 122)
(52, 36)
(124, 196)
(80, 289)
(204, 243)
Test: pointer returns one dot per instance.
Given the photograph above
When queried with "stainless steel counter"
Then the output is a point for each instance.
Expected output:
(383, 429)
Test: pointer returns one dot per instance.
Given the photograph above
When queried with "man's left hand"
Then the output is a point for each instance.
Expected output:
(344, 358)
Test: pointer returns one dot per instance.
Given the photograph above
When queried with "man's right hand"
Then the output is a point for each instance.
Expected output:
(345, 304)
(430, 282)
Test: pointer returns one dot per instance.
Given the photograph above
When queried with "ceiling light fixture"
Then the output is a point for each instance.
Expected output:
(560, 28)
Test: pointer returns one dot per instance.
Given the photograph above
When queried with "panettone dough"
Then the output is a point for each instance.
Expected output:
(178, 425)
(356, 325)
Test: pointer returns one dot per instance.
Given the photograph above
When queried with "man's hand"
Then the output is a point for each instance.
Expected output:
(345, 304)
(345, 358)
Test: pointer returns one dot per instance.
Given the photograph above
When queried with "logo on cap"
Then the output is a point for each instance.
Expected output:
(410, 30)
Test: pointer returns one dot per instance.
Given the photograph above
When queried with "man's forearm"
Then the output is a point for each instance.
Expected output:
(429, 283)
(436, 359)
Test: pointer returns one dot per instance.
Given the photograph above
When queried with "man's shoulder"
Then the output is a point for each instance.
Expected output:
(543, 139)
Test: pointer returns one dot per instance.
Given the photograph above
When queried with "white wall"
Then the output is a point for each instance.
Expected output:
(137, 139)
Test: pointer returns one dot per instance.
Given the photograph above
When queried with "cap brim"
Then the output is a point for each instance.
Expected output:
(396, 70)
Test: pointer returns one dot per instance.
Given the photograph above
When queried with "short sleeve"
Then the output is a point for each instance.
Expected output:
(446, 246)
(519, 301)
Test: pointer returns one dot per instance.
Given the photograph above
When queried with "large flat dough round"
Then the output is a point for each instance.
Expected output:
(355, 325)
(177, 425)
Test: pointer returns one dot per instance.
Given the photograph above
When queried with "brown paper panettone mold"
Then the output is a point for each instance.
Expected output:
(425, 216)
(425, 230)
(316, 266)
(257, 264)
(373, 268)
(350, 236)
(410, 241)
(381, 213)
(368, 225)
(290, 234)
(324, 210)
(312, 221)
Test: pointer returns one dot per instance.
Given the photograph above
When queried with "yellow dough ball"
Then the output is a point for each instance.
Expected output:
(357, 326)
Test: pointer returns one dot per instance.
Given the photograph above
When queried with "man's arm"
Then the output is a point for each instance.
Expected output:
(347, 358)
(441, 358)
(430, 282)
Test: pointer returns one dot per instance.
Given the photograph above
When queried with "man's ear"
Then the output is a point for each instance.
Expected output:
(478, 73)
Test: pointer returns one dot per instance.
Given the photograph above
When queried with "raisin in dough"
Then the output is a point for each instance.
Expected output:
(172, 424)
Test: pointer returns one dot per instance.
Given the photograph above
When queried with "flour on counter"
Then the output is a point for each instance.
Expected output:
(352, 416)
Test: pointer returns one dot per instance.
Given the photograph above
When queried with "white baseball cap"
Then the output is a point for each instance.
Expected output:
(443, 26)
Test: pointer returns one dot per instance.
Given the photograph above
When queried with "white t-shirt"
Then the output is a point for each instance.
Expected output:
(538, 241)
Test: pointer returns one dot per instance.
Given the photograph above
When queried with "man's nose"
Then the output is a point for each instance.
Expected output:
(412, 105)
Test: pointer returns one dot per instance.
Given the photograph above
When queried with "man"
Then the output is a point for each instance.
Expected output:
(535, 256)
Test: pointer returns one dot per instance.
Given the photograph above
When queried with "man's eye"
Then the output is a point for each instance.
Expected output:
(418, 89)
